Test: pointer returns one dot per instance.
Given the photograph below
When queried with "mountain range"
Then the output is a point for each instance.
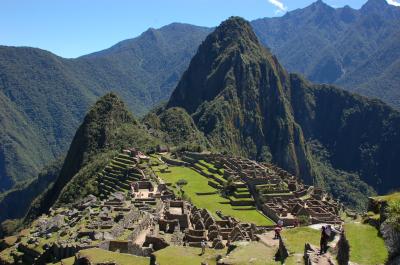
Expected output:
(280, 118)
(236, 98)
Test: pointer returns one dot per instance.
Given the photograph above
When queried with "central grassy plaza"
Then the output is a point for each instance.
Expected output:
(204, 196)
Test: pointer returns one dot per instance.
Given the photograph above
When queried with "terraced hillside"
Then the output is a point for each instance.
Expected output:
(118, 175)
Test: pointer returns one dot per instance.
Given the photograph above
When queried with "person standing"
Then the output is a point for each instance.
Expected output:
(324, 241)
(203, 247)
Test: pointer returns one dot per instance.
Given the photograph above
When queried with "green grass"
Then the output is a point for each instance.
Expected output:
(209, 165)
(389, 197)
(213, 202)
(357, 234)
(296, 238)
(186, 255)
(206, 171)
(254, 253)
(360, 235)
(97, 255)
(5, 255)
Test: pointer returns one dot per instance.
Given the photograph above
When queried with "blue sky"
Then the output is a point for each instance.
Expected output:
(71, 28)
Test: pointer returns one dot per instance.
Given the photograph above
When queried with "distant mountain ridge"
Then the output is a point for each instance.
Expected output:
(356, 49)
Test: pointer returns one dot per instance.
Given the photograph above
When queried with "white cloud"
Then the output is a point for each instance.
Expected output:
(280, 6)
(391, 2)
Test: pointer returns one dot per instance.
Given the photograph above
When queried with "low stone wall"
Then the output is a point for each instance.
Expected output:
(214, 185)
(197, 156)
(157, 243)
(242, 203)
(174, 162)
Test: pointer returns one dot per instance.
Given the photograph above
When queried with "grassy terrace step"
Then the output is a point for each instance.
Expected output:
(113, 175)
(97, 255)
(242, 190)
(122, 184)
(214, 184)
(124, 161)
(242, 195)
(206, 164)
(115, 166)
(114, 169)
(108, 189)
(117, 184)
(119, 164)
(107, 182)
(231, 198)
(218, 178)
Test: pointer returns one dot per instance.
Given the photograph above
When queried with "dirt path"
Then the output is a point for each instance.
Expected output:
(268, 239)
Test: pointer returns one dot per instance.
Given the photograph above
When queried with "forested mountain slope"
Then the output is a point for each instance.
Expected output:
(44, 97)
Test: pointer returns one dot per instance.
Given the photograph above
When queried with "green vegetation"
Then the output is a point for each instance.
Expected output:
(186, 255)
(357, 234)
(389, 197)
(393, 213)
(345, 186)
(97, 255)
(361, 237)
(197, 184)
(177, 128)
(15, 203)
(107, 127)
(296, 238)
(254, 253)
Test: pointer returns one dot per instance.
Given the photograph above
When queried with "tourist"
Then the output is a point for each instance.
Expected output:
(328, 231)
(324, 241)
(278, 230)
(203, 247)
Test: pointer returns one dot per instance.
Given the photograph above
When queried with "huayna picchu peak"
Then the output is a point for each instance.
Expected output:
(230, 156)
(246, 104)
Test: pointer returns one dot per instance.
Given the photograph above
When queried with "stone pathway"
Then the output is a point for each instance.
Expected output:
(142, 237)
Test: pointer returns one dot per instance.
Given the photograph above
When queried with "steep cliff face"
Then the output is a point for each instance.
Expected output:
(361, 135)
(236, 92)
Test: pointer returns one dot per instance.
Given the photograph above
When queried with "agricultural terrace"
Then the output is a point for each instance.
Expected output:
(204, 196)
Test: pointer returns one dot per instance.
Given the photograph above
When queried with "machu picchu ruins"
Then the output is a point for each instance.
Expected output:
(140, 211)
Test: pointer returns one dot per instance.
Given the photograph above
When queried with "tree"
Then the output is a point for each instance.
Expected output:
(180, 183)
